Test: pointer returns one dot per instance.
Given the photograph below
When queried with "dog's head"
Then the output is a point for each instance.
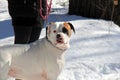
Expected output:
(59, 34)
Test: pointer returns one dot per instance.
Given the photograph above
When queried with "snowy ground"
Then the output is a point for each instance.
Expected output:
(94, 52)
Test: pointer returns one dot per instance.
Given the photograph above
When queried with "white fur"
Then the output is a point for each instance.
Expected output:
(41, 60)
(52, 36)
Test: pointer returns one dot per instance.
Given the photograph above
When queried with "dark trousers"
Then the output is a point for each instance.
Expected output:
(25, 31)
(24, 35)
(26, 20)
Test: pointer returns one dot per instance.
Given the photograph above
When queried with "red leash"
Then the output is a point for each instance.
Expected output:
(48, 8)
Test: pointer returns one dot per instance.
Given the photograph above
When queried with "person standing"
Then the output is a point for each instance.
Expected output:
(26, 19)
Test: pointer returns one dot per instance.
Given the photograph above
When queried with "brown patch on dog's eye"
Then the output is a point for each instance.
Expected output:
(67, 26)
(54, 31)
(67, 29)
(64, 30)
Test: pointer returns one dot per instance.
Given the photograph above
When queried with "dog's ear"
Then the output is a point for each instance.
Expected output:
(48, 27)
(72, 27)
(46, 30)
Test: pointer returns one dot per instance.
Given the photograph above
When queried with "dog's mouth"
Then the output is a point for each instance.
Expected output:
(60, 40)
(61, 44)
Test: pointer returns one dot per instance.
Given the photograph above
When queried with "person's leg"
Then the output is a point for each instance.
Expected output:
(22, 34)
(22, 29)
(35, 33)
(22, 24)
(24, 17)
(36, 30)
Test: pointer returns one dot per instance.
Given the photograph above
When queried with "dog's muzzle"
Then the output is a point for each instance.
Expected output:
(59, 39)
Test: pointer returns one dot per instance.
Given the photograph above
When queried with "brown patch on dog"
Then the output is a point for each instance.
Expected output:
(43, 75)
(12, 72)
(67, 26)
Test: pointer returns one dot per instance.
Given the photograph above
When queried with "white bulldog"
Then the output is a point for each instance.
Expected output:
(40, 60)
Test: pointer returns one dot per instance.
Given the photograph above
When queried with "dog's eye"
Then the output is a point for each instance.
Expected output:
(64, 30)
(54, 31)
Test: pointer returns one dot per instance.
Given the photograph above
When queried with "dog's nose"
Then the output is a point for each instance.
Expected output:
(58, 36)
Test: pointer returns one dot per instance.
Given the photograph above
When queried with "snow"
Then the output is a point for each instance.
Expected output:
(94, 53)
